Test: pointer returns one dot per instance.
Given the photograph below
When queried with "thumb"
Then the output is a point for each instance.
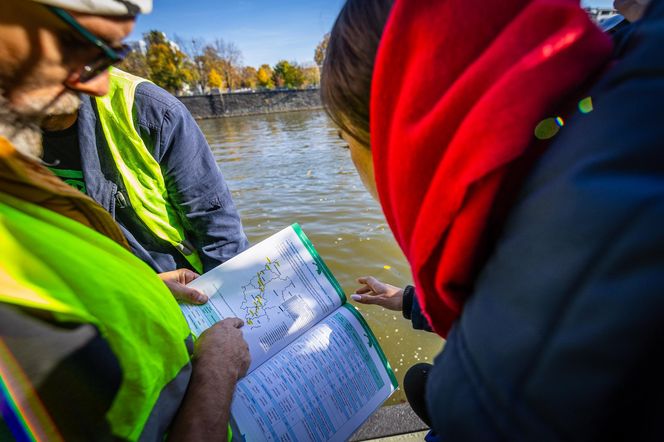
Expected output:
(186, 294)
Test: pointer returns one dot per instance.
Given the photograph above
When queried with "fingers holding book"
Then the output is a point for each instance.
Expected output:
(176, 282)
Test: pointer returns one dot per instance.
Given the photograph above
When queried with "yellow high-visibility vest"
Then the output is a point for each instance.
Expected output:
(139, 170)
(57, 265)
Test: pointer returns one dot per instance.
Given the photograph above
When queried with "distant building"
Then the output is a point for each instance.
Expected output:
(598, 15)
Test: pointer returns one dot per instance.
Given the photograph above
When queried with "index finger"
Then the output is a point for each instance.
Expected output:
(188, 275)
(364, 289)
(368, 280)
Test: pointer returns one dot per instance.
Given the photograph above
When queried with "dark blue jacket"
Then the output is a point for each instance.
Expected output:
(194, 181)
(563, 337)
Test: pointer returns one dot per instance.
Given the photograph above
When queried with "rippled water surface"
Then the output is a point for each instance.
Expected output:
(292, 167)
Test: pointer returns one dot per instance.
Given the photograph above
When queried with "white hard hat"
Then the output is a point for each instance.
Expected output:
(103, 7)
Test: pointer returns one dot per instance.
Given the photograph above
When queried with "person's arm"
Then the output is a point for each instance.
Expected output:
(221, 358)
(375, 292)
(197, 187)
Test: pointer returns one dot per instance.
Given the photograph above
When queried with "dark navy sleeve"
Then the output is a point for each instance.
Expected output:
(411, 310)
(562, 338)
(194, 181)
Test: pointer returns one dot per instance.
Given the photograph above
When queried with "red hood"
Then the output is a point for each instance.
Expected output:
(459, 87)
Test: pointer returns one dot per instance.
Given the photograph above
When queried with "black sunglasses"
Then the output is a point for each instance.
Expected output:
(109, 55)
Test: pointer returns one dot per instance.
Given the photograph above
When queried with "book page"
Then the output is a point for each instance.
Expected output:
(321, 387)
(279, 288)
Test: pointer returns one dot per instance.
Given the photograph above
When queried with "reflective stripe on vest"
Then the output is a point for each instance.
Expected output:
(140, 172)
(52, 263)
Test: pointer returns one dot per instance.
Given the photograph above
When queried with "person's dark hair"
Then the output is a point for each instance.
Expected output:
(349, 64)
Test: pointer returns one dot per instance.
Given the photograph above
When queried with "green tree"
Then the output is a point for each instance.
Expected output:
(264, 77)
(288, 74)
(321, 50)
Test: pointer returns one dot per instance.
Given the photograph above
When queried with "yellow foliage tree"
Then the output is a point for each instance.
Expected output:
(264, 77)
(321, 49)
(165, 62)
(214, 79)
(311, 76)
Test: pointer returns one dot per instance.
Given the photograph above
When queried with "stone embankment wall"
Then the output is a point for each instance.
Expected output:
(251, 103)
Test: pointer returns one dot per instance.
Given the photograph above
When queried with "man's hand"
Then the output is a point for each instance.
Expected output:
(222, 347)
(375, 292)
(176, 280)
(221, 358)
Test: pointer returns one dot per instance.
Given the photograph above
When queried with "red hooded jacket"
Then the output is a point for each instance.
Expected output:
(459, 91)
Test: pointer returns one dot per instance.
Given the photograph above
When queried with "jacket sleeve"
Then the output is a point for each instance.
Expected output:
(197, 187)
(411, 310)
(562, 338)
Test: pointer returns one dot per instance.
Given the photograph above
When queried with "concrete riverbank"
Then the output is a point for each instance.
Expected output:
(395, 420)
(251, 103)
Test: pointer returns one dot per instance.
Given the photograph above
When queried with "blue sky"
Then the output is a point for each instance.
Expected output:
(266, 31)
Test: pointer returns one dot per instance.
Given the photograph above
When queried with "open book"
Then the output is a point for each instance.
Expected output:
(317, 371)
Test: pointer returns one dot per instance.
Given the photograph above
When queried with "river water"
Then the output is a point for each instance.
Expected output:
(292, 167)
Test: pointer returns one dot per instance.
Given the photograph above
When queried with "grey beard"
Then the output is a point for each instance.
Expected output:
(23, 130)
(24, 133)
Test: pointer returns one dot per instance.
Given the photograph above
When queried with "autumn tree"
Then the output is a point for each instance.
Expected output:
(165, 61)
(214, 79)
(321, 50)
(230, 62)
(194, 48)
(207, 61)
(136, 63)
(264, 77)
(287, 74)
(190, 73)
(249, 78)
(311, 75)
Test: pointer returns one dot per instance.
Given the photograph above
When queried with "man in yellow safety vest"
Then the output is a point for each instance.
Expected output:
(92, 343)
(138, 152)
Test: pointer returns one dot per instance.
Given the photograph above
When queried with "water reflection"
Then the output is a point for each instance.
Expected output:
(292, 167)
